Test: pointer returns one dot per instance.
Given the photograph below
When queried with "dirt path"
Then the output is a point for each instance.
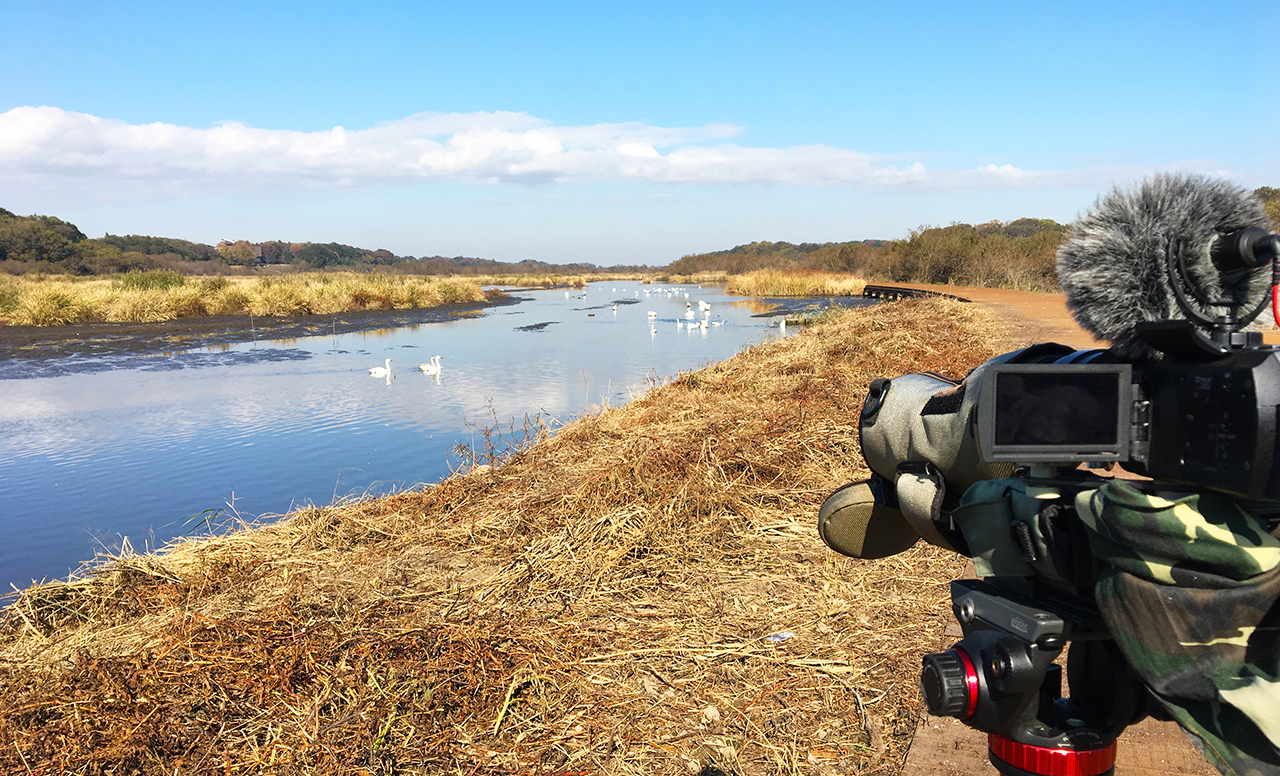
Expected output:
(1040, 317)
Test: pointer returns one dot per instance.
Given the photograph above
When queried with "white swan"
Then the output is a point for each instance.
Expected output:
(432, 368)
(381, 371)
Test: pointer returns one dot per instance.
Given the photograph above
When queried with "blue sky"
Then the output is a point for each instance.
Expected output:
(610, 132)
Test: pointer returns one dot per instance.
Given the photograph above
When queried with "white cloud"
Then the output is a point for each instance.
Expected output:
(48, 148)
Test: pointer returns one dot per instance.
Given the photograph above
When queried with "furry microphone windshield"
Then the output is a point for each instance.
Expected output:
(1113, 266)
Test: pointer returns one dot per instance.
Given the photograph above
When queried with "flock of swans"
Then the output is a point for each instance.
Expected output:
(689, 322)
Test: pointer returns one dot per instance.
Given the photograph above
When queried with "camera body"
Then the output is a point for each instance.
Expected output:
(1206, 424)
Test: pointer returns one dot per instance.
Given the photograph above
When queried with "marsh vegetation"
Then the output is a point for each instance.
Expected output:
(160, 295)
(773, 282)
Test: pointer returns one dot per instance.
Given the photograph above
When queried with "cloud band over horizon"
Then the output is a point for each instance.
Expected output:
(48, 148)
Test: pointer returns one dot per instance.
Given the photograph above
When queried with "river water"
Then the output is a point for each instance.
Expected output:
(172, 443)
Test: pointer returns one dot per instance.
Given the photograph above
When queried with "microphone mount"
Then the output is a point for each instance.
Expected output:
(1207, 334)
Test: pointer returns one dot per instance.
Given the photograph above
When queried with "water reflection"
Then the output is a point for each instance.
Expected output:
(145, 447)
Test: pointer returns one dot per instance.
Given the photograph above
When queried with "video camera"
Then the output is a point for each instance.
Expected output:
(1165, 584)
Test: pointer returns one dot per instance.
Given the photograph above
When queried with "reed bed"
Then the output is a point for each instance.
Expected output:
(642, 593)
(697, 277)
(147, 297)
(531, 281)
(773, 282)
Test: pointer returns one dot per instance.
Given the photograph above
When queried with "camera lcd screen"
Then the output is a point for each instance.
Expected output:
(1055, 412)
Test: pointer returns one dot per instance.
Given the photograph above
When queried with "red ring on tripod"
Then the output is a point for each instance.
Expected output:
(970, 682)
(1053, 762)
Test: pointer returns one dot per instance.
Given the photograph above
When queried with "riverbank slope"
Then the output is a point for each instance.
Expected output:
(645, 592)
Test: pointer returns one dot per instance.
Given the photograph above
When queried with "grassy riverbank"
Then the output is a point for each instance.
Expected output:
(148, 297)
(603, 602)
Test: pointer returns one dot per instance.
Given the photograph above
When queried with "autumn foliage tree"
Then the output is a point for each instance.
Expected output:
(1271, 200)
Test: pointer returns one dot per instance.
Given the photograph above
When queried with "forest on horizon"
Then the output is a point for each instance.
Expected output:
(1014, 254)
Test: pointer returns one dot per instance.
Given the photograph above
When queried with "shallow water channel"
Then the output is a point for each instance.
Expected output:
(150, 448)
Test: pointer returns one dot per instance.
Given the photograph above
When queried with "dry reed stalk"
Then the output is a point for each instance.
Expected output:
(697, 277)
(774, 282)
(538, 281)
(612, 600)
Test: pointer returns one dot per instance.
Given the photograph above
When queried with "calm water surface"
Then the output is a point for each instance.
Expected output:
(147, 450)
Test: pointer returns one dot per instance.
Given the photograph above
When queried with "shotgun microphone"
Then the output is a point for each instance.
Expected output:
(1177, 247)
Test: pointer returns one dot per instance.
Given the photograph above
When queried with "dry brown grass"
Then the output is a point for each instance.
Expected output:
(695, 278)
(536, 281)
(60, 300)
(600, 603)
(773, 282)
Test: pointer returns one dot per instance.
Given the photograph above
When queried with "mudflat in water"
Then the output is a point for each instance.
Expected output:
(121, 340)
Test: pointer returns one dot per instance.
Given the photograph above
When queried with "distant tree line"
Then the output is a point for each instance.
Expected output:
(50, 245)
(162, 246)
(1271, 199)
(767, 255)
(1015, 254)
(464, 265)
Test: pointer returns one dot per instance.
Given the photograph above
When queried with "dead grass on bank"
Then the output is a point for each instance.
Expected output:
(604, 602)
(774, 282)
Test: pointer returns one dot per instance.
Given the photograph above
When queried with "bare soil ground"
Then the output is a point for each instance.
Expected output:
(1039, 317)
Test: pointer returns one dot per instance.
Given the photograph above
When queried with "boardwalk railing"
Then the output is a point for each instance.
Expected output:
(894, 293)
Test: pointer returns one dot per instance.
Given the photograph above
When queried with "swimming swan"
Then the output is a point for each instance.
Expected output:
(432, 368)
(381, 371)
